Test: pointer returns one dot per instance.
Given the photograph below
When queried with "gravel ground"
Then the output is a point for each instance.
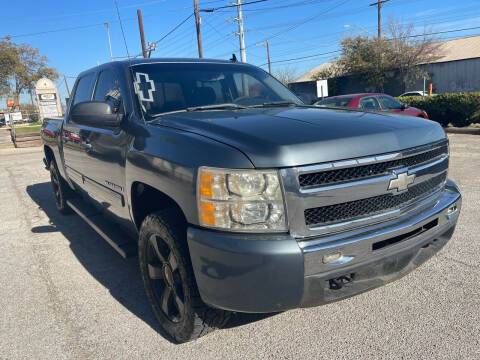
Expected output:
(66, 294)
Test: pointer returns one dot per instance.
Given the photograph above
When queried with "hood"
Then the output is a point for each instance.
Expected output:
(287, 137)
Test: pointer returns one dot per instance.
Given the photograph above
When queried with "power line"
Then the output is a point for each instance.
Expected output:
(390, 39)
(300, 23)
(303, 57)
(121, 27)
(231, 6)
(175, 28)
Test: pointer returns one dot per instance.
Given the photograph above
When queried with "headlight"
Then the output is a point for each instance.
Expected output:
(240, 200)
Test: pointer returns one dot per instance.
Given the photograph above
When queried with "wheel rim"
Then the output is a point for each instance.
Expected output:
(165, 280)
(56, 187)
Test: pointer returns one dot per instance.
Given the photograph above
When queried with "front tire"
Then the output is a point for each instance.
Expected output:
(169, 281)
(61, 191)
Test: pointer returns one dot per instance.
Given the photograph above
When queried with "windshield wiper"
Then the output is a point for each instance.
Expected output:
(275, 103)
(168, 113)
(201, 108)
(216, 107)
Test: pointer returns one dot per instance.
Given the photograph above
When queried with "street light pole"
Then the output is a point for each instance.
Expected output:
(109, 41)
(268, 56)
(265, 43)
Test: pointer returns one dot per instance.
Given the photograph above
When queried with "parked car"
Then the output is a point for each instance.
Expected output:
(239, 198)
(417, 93)
(372, 101)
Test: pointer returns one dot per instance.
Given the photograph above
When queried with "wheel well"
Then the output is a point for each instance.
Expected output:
(48, 155)
(146, 200)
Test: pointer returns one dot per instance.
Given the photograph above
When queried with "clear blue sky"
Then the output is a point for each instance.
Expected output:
(295, 28)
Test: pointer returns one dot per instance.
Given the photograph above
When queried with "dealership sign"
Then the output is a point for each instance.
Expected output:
(47, 99)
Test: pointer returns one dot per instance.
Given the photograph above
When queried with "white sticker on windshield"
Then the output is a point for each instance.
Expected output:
(144, 86)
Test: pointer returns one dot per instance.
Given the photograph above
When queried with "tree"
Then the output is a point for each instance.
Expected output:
(410, 50)
(7, 64)
(368, 59)
(22, 66)
(286, 75)
(374, 61)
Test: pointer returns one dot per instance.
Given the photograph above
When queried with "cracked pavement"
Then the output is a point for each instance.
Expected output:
(65, 294)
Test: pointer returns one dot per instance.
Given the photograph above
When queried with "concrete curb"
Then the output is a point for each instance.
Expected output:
(468, 131)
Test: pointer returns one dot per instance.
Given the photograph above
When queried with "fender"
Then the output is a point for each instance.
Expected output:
(176, 177)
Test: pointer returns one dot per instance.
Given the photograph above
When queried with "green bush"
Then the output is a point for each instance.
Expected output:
(34, 117)
(459, 109)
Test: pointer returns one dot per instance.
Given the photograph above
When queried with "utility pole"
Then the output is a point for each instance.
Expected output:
(241, 35)
(198, 22)
(66, 85)
(142, 34)
(378, 4)
(109, 41)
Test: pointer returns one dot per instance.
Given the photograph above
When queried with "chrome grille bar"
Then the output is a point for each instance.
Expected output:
(299, 199)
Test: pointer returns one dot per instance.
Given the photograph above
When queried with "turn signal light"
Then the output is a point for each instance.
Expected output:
(207, 213)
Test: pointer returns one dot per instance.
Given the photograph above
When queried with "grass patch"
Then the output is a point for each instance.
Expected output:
(28, 129)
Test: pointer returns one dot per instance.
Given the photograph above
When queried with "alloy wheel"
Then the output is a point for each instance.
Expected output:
(164, 277)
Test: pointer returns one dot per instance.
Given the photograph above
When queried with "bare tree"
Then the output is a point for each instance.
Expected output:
(375, 61)
(408, 50)
(286, 75)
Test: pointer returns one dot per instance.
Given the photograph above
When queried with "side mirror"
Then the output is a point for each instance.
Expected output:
(404, 106)
(96, 114)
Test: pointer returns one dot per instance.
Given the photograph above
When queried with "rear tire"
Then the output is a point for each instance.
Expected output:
(169, 281)
(61, 191)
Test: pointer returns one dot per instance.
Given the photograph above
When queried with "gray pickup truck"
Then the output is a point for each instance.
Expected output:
(239, 198)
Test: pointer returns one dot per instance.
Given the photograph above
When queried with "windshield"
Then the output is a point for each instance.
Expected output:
(335, 102)
(167, 87)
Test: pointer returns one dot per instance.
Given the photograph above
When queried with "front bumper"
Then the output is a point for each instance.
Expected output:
(275, 272)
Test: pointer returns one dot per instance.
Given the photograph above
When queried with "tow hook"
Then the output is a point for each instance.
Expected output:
(340, 282)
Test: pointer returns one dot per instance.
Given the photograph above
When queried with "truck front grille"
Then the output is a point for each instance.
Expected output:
(330, 177)
(373, 205)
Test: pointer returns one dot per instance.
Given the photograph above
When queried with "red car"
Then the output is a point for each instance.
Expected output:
(370, 101)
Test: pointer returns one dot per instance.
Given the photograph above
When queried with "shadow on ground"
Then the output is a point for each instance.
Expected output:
(122, 277)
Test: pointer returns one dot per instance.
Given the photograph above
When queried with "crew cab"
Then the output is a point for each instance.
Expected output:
(237, 197)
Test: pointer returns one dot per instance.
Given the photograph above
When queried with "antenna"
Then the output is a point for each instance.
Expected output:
(121, 27)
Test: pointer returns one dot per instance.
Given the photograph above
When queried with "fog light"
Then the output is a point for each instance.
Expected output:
(452, 209)
(330, 258)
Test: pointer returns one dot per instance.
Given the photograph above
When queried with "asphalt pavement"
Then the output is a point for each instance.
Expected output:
(66, 294)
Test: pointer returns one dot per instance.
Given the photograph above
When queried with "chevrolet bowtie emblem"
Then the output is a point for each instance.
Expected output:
(402, 181)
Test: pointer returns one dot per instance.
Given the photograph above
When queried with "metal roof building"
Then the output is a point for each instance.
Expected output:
(457, 70)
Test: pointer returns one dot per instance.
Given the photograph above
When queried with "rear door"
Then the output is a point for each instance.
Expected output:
(74, 145)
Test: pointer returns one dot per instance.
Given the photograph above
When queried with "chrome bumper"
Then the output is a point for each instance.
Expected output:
(382, 240)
